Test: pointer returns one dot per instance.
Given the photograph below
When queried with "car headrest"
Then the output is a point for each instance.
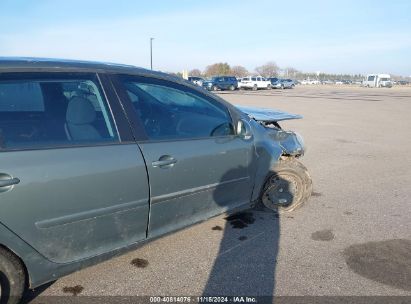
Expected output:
(80, 111)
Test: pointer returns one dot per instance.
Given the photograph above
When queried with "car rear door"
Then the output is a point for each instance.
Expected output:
(197, 166)
(73, 183)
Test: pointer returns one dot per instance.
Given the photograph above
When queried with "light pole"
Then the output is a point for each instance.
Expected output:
(151, 52)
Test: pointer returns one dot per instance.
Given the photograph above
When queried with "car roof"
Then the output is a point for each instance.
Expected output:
(33, 64)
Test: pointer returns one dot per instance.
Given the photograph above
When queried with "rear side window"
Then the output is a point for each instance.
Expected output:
(45, 110)
(21, 97)
(170, 111)
(371, 78)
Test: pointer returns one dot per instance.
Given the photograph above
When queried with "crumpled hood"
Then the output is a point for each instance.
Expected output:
(267, 115)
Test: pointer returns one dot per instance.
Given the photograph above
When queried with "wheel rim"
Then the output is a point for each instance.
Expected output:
(284, 191)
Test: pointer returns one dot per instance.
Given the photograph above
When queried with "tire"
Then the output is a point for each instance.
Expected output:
(269, 87)
(12, 278)
(231, 88)
(214, 88)
(255, 88)
(282, 87)
(288, 186)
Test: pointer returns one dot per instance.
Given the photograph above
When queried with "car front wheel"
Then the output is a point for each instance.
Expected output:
(255, 87)
(214, 88)
(12, 278)
(288, 186)
(231, 88)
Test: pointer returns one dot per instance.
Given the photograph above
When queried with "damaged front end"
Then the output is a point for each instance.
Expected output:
(291, 143)
(281, 182)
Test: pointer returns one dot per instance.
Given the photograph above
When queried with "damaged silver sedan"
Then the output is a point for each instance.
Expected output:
(96, 158)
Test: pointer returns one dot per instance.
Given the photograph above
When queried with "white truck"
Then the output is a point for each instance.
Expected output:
(254, 83)
(377, 81)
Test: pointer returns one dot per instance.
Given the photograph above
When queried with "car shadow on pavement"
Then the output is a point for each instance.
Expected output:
(246, 262)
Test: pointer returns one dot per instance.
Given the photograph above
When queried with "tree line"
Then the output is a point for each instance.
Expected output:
(269, 69)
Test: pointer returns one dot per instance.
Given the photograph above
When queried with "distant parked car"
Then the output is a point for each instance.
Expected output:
(309, 81)
(287, 83)
(196, 80)
(277, 83)
(221, 83)
(255, 83)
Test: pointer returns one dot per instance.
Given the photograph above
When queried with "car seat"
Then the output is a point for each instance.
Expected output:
(80, 117)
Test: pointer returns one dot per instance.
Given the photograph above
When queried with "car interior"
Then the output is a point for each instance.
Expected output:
(42, 113)
(168, 113)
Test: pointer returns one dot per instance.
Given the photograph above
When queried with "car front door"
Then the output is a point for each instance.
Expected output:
(73, 183)
(197, 166)
(226, 83)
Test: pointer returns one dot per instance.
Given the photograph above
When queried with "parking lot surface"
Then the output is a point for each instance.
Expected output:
(352, 238)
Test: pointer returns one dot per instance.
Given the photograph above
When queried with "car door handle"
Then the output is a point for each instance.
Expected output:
(9, 182)
(164, 161)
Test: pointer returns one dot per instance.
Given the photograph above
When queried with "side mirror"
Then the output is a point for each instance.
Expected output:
(244, 130)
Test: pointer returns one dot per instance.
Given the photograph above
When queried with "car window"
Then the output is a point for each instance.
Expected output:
(253, 79)
(371, 78)
(171, 111)
(45, 110)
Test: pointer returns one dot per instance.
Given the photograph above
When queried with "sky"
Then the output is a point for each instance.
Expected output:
(347, 36)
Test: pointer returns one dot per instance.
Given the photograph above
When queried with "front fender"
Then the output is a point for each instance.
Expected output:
(270, 144)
